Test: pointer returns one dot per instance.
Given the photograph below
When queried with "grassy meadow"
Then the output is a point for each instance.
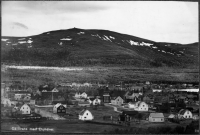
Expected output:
(36, 77)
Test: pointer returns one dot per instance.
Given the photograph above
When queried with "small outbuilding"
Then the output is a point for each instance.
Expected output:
(156, 117)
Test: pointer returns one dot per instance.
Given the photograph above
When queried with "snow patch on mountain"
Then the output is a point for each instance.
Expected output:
(154, 47)
(21, 39)
(133, 43)
(21, 42)
(29, 41)
(111, 37)
(60, 43)
(168, 45)
(66, 39)
(81, 33)
(4, 39)
(107, 38)
(146, 44)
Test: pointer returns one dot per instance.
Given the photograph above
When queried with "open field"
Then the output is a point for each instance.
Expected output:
(38, 76)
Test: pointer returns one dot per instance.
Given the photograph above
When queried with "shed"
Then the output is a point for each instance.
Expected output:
(156, 117)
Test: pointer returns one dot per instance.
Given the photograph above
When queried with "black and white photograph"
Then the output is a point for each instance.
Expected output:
(101, 67)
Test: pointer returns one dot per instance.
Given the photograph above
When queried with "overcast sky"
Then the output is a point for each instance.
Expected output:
(167, 21)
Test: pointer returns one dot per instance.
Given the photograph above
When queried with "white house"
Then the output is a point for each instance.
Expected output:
(25, 109)
(131, 105)
(55, 90)
(157, 90)
(139, 106)
(117, 101)
(83, 95)
(6, 102)
(77, 95)
(96, 101)
(85, 115)
(17, 96)
(184, 113)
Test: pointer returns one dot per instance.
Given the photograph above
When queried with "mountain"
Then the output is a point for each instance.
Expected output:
(80, 47)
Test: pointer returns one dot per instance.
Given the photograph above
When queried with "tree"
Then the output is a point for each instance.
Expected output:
(139, 116)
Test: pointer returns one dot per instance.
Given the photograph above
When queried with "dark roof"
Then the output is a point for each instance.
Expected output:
(157, 115)
(130, 113)
(117, 93)
(182, 111)
(62, 102)
(82, 112)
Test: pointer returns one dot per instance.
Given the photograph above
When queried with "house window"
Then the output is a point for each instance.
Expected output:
(186, 116)
(153, 119)
(143, 105)
(27, 111)
(63, 110)
(85, 117)
(161, 119)
(86, 113)
(58, 110)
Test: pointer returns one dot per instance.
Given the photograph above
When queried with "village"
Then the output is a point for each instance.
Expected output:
(123, 104)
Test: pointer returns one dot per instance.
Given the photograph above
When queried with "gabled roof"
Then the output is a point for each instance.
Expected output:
(117, 93)
(156, 115)
(114, 98)
(20, 106)
(57, 105)
(171, 116)
(130, 113)
(182, 111)
(83, 111)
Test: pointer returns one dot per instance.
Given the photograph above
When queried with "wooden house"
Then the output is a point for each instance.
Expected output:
(83, 95)
(6, 102)
(184, 114)
(84, 104)
(117, 101)
(59, 108)
(85, 115)
(25, 109)
(106, 97)
(156, 117)
(27, 98)
(130, 95)
(127, 116)
(96, 101)
(139, 106)
(55, 90)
